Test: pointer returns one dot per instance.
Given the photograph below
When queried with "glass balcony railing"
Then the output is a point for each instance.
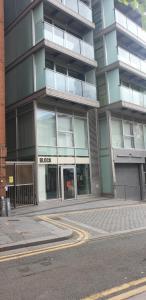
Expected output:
(131, 60)
(132, 96)
(64, 83)
(67, 40)
(130, 26)
(79, 7)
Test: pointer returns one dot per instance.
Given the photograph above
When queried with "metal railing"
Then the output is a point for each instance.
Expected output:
(79, 7)
(64, 83)
(20, 183)
(67, 40)
(132, 60)
(130, 95)
(130, 26)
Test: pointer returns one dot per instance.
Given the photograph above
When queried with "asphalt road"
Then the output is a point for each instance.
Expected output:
(77, 272)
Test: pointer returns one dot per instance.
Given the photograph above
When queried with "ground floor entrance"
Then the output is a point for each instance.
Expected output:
(128, 181)
(63, 181)
(68, 182)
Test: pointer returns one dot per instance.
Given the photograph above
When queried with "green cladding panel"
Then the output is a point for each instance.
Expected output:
(21, 77)
(105, 159)
(38, 17)
(108, 12)
(13, 8)
(40, 69)
(113, 83)
(15, 37)
(111, 47)
(106, 174)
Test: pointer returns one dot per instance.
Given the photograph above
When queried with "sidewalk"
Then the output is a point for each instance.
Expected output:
(58, 206)
(99, 216)
(24, 232)
(139, 297)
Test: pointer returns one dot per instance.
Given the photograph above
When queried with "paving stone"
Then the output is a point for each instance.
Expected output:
(139, 297)
(113, 220)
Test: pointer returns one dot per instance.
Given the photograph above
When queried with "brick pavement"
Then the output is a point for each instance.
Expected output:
(139, 297)
(110, 220)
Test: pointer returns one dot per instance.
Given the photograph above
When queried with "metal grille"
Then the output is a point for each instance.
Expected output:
(20, 183)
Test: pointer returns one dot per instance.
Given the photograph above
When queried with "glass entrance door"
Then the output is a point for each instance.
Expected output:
(68, 182)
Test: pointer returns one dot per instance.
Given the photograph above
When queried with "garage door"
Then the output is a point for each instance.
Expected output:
(127, 181)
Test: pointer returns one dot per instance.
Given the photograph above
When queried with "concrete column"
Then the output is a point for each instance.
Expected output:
(2, 105)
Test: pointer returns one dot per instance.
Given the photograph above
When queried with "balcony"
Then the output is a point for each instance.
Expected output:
(131, 60)
(67, 84)
(132, 96)
(130, 26)
(68, 41)
(79, 7)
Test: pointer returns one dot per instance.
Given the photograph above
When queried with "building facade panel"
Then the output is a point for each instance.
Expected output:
(54, 129)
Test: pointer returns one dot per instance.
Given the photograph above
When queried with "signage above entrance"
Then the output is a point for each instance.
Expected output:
(44, 160)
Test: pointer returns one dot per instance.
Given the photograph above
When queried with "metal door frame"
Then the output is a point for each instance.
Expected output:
(63, 167)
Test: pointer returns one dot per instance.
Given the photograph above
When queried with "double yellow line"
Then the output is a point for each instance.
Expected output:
(127, 290)
(82, 237)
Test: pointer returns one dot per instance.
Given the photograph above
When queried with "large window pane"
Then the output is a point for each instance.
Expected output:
(65, 139)
(128, 142)
(138, 136)
(66, 152)
(144, 132)
(83, 179)
(46, 128)
(64, 123)
(127, 128)
(117, 140)
(80, 133)
(128, 134)
(51, 174)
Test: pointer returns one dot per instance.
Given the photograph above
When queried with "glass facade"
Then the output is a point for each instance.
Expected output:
(83, 180)
(64, 83)
(51, 180)
(46, 128)
(67, 40)
(128, 134)
(63, 181)
(61, 134)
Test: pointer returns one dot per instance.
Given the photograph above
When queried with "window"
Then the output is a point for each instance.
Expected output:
(61, 134)
(65, 133)
(61, 69)
(138, 136)
(46, 128)
(83, 179)
(49, 64)
(144, 133)
(144, 170)
(128, 134)
(132, 135)
(117, 138)
(80, 133)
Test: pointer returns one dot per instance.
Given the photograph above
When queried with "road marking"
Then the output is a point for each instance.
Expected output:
(129, 294)
(116, 289)
(81, 239)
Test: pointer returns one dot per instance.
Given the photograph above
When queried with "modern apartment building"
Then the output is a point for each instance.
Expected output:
(2, 106)
(120, 50)
(51, 97)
